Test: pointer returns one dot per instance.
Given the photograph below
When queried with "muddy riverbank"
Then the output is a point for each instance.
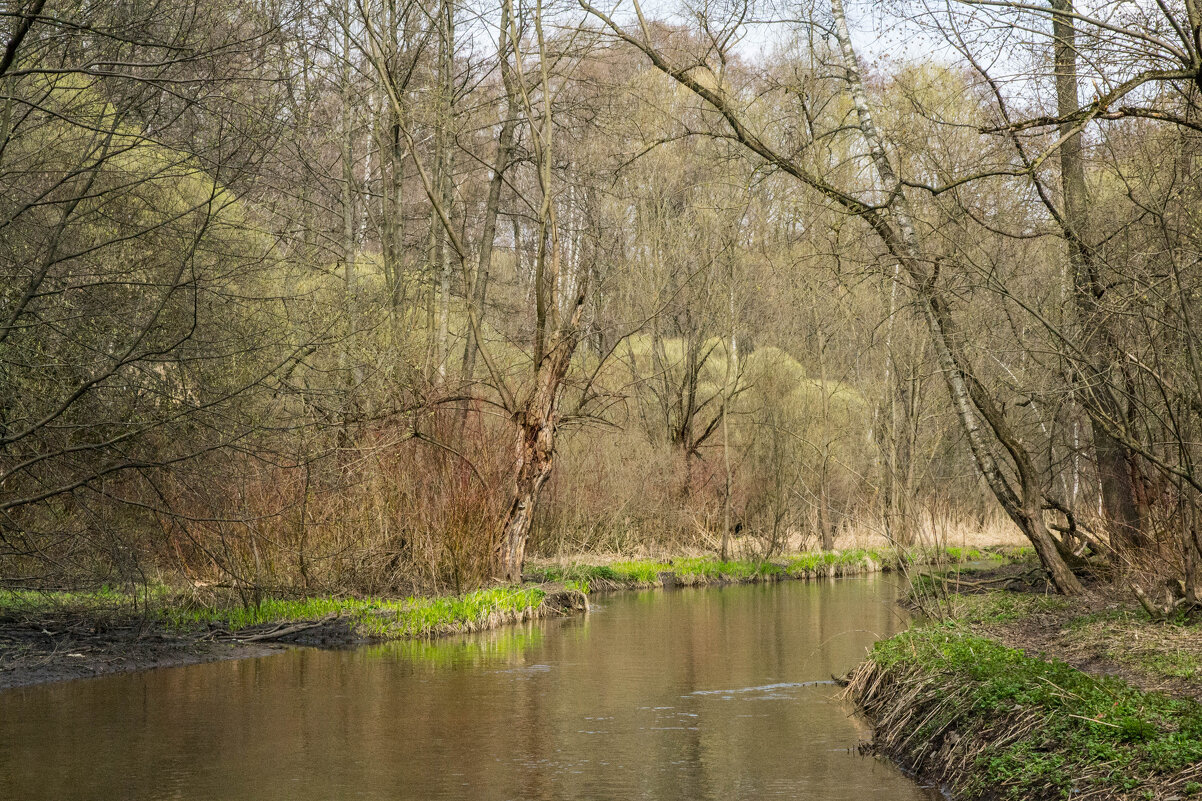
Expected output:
(73, 646)
(58, 642)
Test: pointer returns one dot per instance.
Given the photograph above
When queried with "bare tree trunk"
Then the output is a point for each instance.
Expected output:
(557, 331)
(349, 244)
(443, 167)
(479, 288)
(1115, 462)
(825, 526)
(898, 439)
(732, 375)
(392, 180)
(1024, 506)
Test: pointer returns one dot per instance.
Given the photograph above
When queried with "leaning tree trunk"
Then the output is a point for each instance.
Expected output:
(1023, 503)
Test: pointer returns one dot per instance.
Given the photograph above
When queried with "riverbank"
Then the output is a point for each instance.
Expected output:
(44, 638)
(592, 575)
(48, 637)
(1018, 694)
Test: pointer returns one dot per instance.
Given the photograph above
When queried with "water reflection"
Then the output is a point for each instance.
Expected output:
(689, 694)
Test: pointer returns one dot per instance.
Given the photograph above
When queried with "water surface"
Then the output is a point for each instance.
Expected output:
(689, 694)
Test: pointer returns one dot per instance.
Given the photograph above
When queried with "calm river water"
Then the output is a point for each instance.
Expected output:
(685, 694)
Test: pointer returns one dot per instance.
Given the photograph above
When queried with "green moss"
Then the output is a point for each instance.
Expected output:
(1040, 729)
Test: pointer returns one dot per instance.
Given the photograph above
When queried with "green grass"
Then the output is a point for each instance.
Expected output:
(1176, 664)
(958, 554)
(14, 602)
(710, 568)
(370, 617)
(1041, 729)
(1005, 607)
(818, 561)
(1127, 636)
(631, 572)
(1122, 634)
(1013, 553)
(699, 569)
(581, 585)
(647, 571)
(374, 617)
(693, 569)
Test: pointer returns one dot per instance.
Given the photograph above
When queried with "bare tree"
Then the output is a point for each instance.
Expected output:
(984, 423)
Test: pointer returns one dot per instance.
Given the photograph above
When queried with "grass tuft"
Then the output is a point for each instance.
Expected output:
(379, 618)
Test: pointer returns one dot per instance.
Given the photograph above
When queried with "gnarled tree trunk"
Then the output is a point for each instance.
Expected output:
(535, 450)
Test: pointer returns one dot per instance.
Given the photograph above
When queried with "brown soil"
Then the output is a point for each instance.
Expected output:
(62, 649)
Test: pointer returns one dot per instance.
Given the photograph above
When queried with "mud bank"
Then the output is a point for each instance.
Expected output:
(69, 650)
(66, 647)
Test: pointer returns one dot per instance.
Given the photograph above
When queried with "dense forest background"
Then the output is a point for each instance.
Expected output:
(380, 295)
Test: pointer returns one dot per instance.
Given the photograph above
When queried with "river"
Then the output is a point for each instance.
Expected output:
(689, 694)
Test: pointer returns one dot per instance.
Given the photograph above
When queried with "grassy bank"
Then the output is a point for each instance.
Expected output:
(694, 571)
(366, 618)
(1013, 692)
(47, 636)
(58, 636)
(1103, 632)
(380, 618)
(987, 721)
(547, 587)
(591, 576)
